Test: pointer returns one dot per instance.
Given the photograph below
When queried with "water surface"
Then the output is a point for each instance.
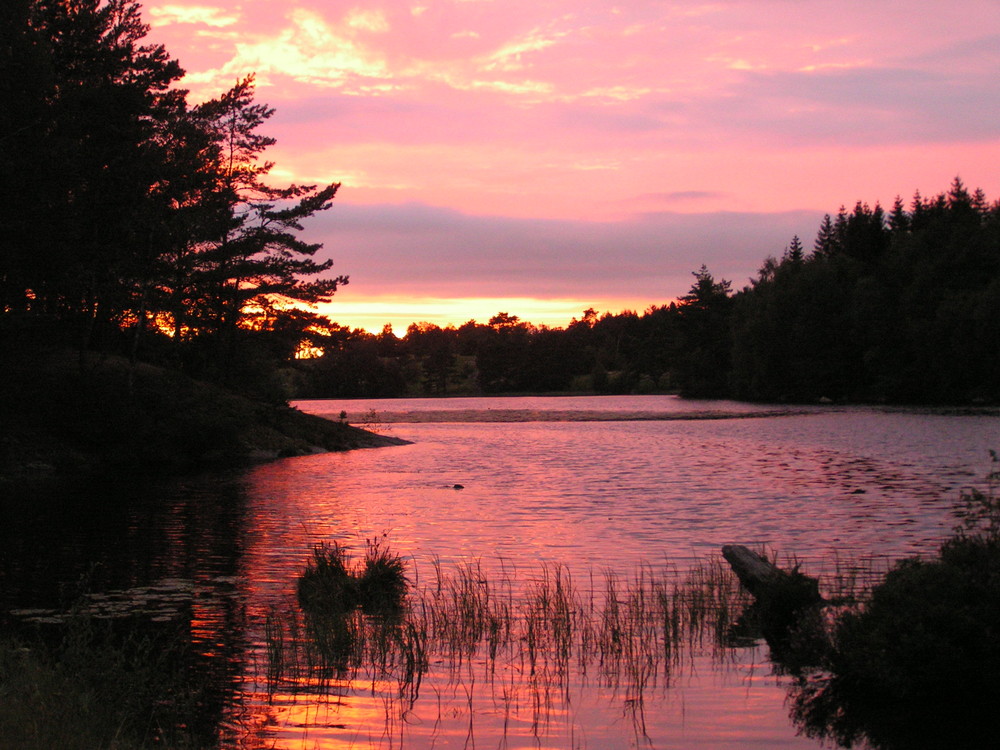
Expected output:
(591, 484)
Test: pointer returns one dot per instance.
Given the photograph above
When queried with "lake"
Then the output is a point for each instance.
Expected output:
(510, 489)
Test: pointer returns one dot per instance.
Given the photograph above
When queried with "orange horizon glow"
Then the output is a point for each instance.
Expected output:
(373, 314)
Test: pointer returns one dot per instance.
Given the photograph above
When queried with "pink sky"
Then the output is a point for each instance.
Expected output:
(540, 157)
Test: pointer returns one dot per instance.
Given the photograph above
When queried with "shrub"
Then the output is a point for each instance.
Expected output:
(917, 667)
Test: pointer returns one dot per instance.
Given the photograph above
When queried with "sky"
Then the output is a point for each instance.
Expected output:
(540, 157)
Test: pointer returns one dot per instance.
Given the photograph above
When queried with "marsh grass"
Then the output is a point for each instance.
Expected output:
(333, 586)
(520, 638)
(90, 686)
(482, 638)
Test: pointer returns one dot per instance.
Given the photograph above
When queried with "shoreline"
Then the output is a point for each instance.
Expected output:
(62, 421)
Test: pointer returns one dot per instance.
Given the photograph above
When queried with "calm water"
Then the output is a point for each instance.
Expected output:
(588, 483)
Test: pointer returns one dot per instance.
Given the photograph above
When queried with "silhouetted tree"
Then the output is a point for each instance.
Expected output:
(84, 133)
(252, 254)
(704, 342)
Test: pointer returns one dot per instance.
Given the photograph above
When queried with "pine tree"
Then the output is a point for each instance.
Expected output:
(250, 256)
(795, 254)
(899, 220)
(826, 239)
(99, 99)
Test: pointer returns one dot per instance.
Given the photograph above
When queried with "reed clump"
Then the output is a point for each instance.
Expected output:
(351, 610)
(331, 585)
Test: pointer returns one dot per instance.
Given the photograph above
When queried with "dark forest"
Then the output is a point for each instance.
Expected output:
(897, 307)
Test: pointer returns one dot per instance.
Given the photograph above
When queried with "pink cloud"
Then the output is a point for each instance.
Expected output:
(582, 116)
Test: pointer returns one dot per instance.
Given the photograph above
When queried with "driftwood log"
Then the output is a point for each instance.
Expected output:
(782, 597)
(755, 572)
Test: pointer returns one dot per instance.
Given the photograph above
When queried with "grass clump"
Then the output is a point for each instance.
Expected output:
(96, 689)
(382, 583)
(327, 586)
(331, 585)
(337, 597)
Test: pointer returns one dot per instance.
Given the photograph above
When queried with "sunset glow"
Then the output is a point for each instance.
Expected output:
(581, 154)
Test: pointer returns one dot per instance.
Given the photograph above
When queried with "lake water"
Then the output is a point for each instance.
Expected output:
(589, 484)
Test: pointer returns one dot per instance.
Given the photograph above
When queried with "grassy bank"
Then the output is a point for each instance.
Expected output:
(62, 417)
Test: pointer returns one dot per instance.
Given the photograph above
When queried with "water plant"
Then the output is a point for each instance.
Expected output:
(382, 582)
(327, 586)
(331, 585)
(525, 636)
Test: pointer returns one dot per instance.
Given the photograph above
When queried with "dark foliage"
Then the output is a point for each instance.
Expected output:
(331, 587)
(87, 684)
(897, 308)
(917, 666)
(383, 582)
(901, 309)
(129, 214)
(333, 594)
(327, 587)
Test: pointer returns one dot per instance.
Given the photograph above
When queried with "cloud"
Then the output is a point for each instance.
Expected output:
(573, 109)
(422, 251)
(684, 196)
(367, 20)
(206, 15)
(868, 105)
(511, 55)
(310, 50)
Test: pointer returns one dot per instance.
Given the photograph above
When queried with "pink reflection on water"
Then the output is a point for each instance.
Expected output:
(592, 496)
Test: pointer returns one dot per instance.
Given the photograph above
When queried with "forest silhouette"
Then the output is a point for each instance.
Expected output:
(897, 307)
(140, 225)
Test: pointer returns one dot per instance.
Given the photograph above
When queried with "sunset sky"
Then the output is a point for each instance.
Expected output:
(541, 157)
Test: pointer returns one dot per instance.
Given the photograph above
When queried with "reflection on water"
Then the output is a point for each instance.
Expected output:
(589, 484)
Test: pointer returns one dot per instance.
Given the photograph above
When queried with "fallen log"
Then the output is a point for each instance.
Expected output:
(755, 572)
(783, 598)
(766, 581)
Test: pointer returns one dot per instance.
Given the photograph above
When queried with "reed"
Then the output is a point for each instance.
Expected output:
(631, 632)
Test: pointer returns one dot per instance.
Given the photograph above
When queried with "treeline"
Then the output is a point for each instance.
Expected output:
(135, 222)
(898, 307)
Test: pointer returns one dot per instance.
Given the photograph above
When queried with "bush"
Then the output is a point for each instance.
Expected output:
(917, 667)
